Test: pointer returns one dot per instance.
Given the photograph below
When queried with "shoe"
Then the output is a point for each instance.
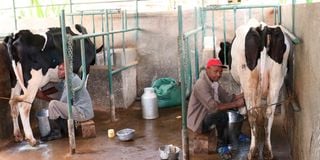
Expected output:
(53, 135)
(244, 138)
(225, 153)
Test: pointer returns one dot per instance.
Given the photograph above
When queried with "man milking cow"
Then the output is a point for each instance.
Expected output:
(35, 60)
(208, 105)
(58, 109)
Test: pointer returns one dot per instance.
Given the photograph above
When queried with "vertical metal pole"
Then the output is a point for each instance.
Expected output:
(249, 13)
(112, 34)
(137, 19)
(189, 67)
(103, 41)
(68, 70)
(224, 37)
(71, 11)
(123, 59)
(184, 130)
(14, 15)
(234, 19)
(81, 19)
(112, 105)
(293, 15)
(94, 31)
(279, 15)
(275, 15)
(213, 36)
(203, 24)
(196, 54)
(262, 13)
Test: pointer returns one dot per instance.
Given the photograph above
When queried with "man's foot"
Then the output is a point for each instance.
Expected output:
(244, 138)
(225, 153)
(54, 134)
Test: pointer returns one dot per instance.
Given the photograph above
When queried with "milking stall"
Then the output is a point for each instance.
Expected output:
(148, 56)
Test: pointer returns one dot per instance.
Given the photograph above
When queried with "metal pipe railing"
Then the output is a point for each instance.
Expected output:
(184, 50)
(235, 7)
(68, 68)
(106, 39)
(184, 130)
(238, 6)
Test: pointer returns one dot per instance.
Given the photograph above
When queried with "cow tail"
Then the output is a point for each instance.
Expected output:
(19, 77)
(13, 63)
(264, 75)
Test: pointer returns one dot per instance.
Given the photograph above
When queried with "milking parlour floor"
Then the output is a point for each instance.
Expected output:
(149, 136)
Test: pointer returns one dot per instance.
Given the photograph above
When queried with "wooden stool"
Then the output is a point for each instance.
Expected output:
(87, 129)
(204, 143)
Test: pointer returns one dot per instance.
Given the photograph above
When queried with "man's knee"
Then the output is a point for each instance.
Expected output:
(52, 103)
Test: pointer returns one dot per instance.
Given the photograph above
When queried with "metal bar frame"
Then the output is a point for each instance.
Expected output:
(184, 51)
(68, 60)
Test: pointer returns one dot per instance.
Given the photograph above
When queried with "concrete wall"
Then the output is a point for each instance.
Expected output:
(304, 126)
(124, 83)
(157, 47)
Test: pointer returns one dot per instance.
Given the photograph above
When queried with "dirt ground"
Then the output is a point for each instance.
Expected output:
(149, 136)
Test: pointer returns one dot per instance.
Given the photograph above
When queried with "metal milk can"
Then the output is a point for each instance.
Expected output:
(149, 104)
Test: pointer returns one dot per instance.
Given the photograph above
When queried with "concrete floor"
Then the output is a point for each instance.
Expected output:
(150, 135)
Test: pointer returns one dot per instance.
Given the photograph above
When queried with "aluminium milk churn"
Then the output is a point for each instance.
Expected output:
(149, 104)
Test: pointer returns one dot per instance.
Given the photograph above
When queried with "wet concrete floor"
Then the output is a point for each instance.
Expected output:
(149, 136)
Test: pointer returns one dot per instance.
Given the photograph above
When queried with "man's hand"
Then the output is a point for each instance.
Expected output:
(239, 102)
(239, 96)
(43, 96)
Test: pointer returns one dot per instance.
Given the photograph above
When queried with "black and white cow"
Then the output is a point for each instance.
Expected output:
(259, 63)
(35, 59)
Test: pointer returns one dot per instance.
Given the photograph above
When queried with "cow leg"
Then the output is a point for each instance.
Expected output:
(253, 152)
(15, 114)
(267, 148)
(24, 110)
(33, 85)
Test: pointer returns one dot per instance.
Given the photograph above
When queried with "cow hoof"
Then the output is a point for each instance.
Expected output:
(18, 138)
(32, 142)
(267, 154)
(253, 154)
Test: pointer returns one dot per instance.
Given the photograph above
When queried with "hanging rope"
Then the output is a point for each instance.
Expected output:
(270, 105)
(6, 98)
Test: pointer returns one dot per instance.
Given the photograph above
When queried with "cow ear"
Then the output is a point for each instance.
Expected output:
(6, 39)
(57, 42)
(221, 45)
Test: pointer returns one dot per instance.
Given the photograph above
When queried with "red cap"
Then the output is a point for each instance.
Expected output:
(215, 62)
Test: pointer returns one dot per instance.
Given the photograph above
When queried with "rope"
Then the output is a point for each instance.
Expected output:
(6, 98)
(269, 105)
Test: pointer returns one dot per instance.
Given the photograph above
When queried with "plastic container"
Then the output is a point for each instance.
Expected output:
(149, 104)
(43, 120)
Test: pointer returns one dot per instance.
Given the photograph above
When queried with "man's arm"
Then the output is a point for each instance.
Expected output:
(234, 104)
(44, 94)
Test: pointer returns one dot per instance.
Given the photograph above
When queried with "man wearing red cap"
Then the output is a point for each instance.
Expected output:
(208, 103)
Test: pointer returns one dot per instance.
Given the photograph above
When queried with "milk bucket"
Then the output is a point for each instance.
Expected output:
(149, 104)
(43, 121)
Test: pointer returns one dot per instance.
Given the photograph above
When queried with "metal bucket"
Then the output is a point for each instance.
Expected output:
(234, 127)
(169, 152)
(43, 119)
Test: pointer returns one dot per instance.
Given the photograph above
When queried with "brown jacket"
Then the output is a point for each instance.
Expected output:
(202, 102)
